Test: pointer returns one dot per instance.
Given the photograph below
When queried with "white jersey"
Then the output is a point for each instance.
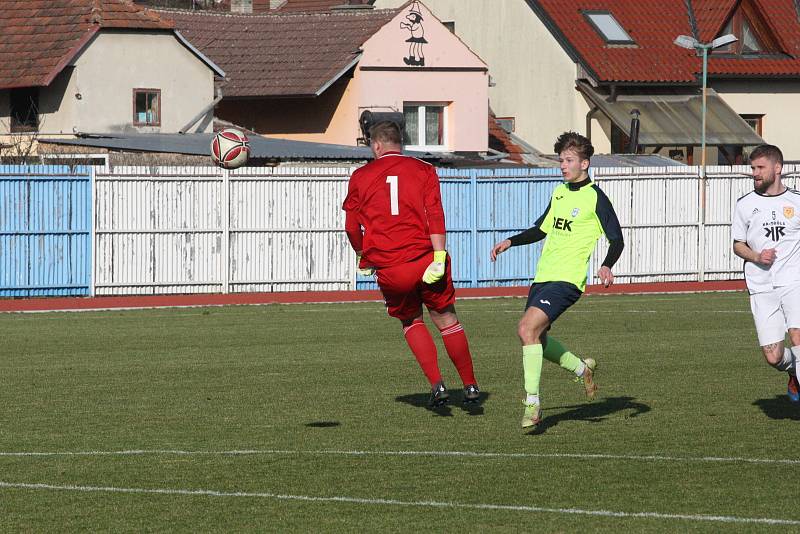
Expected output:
(770, 222)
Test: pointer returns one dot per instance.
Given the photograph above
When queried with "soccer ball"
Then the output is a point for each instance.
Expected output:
(230, 148)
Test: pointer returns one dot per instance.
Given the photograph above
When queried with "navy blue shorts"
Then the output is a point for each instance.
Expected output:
(553, 298)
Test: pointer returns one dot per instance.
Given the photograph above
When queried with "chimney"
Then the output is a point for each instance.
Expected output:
(241, 6)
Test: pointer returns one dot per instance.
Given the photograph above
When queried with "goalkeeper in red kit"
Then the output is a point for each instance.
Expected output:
(395, 223)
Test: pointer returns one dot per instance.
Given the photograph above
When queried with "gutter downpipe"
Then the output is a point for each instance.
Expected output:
(589, 116)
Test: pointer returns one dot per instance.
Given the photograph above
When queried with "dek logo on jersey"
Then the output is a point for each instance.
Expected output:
(562, 224)
(788, 212)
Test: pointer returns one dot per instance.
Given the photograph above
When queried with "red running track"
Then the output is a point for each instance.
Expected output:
(296, 297)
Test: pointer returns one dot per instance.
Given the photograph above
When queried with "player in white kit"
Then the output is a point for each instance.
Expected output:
(766, 234)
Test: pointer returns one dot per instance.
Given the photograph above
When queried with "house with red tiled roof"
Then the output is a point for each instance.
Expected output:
(586, 65)
(309, 76)
(72, 67)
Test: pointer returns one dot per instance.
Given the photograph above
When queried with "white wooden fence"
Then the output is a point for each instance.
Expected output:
(190, 230)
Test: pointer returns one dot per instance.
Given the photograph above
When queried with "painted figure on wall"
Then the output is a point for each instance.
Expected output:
(414, 26)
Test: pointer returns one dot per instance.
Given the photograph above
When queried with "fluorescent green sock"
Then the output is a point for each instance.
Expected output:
(532, 367)
(556, 353)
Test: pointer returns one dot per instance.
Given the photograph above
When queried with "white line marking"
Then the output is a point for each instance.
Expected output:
(617, 312)
(393, 502)
(458, 454)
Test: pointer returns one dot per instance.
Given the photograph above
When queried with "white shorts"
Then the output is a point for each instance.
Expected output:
(774, 312)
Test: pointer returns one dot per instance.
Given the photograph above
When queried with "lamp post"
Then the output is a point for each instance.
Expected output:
(691, 43)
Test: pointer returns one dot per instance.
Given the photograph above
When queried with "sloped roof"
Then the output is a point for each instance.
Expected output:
(260, 147)
(711, 14)
(281, 55)
(654, 26)
(199, 144)
(501, 141)
(38, 38)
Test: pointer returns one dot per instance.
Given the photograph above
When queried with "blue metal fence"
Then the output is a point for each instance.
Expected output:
(45, 230)
(482, 207)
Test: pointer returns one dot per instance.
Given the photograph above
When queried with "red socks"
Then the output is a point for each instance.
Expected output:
(455, 341)
(421, 344)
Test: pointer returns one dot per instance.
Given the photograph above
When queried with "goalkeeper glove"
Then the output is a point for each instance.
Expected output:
(435, 270)
(363, 271)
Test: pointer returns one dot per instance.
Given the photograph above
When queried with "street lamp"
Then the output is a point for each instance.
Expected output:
(691, 43)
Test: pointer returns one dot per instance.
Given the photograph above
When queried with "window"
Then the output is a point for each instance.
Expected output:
(24, 109)
(450, 25)
(755, 121)
(508, 124)
(147, 107)
(607, 26)
(755, 37)
(425, 126)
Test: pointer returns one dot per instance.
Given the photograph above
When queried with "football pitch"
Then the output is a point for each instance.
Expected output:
(313, 418)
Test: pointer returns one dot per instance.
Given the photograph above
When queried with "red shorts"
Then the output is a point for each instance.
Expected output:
(405, 292)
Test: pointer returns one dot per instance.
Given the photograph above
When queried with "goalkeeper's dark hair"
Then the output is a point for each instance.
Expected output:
(386, 132)
(771, 152)
(574, 141)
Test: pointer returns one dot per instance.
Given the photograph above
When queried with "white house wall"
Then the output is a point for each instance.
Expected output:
(116, 63)
(777, 100)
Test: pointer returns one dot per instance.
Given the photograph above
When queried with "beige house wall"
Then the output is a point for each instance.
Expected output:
(777, 100)
(533, 77)
(331, 117)
(114, 64)
(58, 105)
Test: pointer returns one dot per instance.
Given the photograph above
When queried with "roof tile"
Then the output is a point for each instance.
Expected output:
(280, 55)
(654, 26)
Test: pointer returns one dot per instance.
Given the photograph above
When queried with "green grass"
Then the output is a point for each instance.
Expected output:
(681, 379)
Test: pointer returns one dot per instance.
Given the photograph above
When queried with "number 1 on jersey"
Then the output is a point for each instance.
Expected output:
(392, 181)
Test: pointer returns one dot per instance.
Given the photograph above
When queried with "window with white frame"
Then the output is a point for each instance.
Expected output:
(608, 27)
(426, 125)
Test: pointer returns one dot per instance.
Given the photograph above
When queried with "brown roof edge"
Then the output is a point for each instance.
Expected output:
(90, 33)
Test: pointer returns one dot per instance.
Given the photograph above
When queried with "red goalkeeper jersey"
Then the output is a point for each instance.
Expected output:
(396, 199)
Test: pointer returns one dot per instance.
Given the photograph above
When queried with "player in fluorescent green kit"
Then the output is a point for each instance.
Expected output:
(577, 215)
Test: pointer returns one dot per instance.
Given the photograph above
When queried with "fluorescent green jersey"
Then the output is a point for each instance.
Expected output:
(578, 214)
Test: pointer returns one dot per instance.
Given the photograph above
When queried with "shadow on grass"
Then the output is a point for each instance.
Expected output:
(323, 424)
(420, 400)
(779, 407)
(593, 412)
